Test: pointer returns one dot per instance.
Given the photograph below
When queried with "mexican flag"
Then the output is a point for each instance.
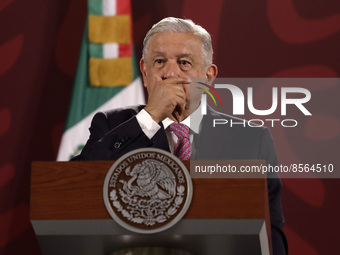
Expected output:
(107, 72)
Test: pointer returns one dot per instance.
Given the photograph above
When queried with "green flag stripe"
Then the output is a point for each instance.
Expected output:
(95, 7)
(86, 98)
(96, 50)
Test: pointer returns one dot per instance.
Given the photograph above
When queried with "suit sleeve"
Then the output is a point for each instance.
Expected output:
(267, 151)
(108, 140)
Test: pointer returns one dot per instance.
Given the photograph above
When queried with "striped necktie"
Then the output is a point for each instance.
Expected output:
(183, 146)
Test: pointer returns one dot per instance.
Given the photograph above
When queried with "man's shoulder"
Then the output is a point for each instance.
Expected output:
(126, 112)
(215, 114)
(234, 124)
(114, 117)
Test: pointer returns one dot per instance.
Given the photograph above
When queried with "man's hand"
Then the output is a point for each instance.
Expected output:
(167, 98)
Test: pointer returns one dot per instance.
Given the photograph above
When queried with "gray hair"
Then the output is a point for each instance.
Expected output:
(177, 25)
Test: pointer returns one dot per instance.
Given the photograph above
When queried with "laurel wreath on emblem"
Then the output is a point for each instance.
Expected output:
(154, 199)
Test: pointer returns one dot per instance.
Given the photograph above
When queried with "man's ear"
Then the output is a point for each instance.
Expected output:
(143, 69)
(211, 71)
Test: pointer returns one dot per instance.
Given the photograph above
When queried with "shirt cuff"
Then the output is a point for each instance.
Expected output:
(147, 124)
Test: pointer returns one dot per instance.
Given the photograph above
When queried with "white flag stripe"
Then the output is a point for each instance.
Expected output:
(78, 134)
(110, 50)
(109, 7)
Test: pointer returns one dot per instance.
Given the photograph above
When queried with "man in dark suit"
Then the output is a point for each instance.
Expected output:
(176, 50)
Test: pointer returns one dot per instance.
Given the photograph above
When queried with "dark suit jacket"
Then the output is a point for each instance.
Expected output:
(116, 132)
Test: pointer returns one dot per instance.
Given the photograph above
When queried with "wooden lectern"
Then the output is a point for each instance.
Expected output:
(226, 216)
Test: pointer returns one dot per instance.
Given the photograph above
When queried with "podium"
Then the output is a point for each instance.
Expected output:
(67, 211)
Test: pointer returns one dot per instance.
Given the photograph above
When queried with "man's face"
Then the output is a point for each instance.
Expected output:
(175, 55)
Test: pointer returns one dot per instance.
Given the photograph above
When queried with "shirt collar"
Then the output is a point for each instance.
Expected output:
(193, 121)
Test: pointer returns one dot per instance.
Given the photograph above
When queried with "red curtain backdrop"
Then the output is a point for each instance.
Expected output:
(39, 46)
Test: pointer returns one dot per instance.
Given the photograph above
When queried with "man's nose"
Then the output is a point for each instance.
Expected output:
(171, 70)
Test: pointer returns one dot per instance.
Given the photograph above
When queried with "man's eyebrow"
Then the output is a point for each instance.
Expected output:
(184, 55)
(158, 53)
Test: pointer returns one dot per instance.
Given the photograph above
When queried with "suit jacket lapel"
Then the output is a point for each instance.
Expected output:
(160, 140)
(211, 142)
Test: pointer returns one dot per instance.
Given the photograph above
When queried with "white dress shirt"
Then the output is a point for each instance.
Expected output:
(150, 127)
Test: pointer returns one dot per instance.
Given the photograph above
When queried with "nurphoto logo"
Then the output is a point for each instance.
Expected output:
(281, 97)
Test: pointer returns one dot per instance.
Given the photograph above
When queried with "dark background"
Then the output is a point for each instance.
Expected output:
(39, 46)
